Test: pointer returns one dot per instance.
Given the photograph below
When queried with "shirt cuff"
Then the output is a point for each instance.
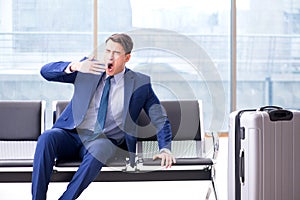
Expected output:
(165, 150)
(68, 68)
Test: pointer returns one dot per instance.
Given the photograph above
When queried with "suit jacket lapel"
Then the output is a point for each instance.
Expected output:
(128, 124)
(128, 90)
(85, 87)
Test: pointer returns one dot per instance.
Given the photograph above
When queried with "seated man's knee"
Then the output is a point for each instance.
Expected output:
(48, 137)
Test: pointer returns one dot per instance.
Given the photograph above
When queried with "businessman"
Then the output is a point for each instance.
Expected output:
(100, 118)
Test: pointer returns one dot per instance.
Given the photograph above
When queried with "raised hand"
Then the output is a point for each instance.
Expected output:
(89, 65)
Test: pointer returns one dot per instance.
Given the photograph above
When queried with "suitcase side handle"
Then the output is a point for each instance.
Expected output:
(242, 166)
(280, 115)
(276, 113)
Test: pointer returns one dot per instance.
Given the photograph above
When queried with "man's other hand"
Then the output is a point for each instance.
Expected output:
(167, 158)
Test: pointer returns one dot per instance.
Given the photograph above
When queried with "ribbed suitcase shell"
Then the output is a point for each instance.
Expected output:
(271, 152)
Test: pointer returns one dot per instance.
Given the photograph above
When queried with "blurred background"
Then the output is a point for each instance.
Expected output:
(253, 47)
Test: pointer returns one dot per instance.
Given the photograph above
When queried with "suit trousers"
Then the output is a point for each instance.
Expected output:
(58, 143)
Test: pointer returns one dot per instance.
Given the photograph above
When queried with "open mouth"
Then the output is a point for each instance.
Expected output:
(110, 65)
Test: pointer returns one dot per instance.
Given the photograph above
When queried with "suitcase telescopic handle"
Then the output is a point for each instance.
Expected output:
(269, 108)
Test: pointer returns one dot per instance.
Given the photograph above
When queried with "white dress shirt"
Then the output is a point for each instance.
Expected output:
(114, 109)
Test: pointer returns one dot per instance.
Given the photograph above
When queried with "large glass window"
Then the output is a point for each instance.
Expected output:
(182, 45)
(268, 53)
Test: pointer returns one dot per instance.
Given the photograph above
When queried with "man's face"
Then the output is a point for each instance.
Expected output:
(115, 58)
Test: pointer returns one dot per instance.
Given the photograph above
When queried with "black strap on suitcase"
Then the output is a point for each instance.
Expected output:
(239, 134)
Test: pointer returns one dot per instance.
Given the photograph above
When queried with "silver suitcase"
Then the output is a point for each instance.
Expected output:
(264, 154)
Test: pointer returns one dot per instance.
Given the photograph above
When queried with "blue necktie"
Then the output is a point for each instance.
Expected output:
(103, 107)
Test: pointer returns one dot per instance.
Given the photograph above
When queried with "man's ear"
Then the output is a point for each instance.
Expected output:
(127, 58)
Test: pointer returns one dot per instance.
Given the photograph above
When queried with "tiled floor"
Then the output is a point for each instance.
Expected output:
(188, 190)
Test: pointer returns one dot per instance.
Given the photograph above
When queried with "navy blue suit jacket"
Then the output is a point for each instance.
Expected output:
(138, 95)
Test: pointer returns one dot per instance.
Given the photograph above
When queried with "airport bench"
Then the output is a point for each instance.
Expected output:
(188, 146)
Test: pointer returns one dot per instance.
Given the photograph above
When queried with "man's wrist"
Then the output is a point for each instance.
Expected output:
(69, 69)
(165, 150)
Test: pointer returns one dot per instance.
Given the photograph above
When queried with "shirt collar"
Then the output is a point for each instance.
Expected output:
(118, 76)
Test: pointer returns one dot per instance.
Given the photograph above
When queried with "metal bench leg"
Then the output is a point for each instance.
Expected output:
(214, 187)
(213, 175)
